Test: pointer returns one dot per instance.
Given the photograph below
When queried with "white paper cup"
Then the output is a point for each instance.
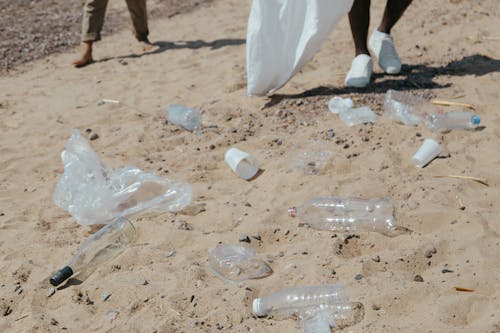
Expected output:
(429, 150)
(244, 165)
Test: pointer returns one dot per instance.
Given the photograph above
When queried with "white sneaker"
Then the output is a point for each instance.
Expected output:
(360, 73)
(382, 46)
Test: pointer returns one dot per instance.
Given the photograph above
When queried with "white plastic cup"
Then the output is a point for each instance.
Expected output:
(429, 150)
(243, 165)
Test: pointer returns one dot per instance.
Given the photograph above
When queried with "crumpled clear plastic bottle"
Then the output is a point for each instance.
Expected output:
(405, 108)
(318, 307)
(183, 116)
(357, 116)
(102, 246)
(463, 120)
(237, 263)
(339, 104)
(348, 215)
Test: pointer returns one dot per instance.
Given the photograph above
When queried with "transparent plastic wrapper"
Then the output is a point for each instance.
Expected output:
(339, 104)
(348, 215)
(405, 108)
(237, 263)
(357, 116)
(95, 194)
(104, 245)
(185, 117)
(282, 36)
(461, 120)
(319, 308)
(311, 162)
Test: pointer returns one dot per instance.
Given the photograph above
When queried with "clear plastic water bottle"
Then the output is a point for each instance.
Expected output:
(348, 215)
(183, 116)
(358, 116)
(102, 246)
(452, 120)
(404, 108)
(318, 307)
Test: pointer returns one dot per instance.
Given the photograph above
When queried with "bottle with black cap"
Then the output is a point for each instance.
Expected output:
(102, 246)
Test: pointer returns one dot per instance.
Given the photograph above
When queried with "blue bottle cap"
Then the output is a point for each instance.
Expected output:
(476, 120)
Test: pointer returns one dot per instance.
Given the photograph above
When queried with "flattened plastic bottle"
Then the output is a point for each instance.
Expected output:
(318, 307)
(405, 108)
(183, 116)
(348, 215)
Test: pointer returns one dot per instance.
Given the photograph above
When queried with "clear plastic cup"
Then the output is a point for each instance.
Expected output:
(429, 150)
(242, 163)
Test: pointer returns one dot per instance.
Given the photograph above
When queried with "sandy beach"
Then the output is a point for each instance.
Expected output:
(414, 282)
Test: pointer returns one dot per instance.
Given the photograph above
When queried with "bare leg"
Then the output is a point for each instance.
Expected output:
(394, 9)
(86, 57)
(359, 19)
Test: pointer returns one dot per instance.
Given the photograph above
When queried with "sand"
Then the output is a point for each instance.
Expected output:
(451, 52)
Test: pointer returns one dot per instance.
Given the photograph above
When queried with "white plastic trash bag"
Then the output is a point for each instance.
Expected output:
(283, 35)
(95, 194)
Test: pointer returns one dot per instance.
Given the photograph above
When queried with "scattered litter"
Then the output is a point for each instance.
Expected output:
(111, 314)
(358, 116)
(339, 104)
(185, 117)
(467, 290)
(429, 150)
(404, 108)
(105, 296)
(170, 253)
(242, 163)
(237, 263)
(458, 120)
(102, 246)
(348, 215)
(95, 194)
(110, 101)
(319, 308)
(312, 161)
(51, 291)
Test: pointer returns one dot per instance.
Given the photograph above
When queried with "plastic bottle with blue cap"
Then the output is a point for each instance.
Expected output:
(462, 120)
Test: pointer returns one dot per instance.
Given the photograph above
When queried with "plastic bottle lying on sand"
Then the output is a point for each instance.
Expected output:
(237, 263)
(349, 214)
(102, 246)
(358, 116)
(452, 120)
(183, 116)
(405, 108)
(318, 307)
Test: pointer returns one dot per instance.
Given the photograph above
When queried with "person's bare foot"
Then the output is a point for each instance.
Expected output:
(84, 60)
(146, 46)
(86, 57)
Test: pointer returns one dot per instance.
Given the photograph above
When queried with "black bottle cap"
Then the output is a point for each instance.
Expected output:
(60, 276)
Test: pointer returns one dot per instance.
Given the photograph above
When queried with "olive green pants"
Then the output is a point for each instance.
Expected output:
(93, 19)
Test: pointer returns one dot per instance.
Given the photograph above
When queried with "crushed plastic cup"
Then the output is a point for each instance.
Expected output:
(242, 163)
(339, 104)
(429, 150)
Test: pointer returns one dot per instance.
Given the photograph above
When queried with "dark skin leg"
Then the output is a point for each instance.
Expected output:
(86, 57)
(394, 9)
(359, 19)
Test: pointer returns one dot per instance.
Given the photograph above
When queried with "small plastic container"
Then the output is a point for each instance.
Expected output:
(429, 150)
(242, 163)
